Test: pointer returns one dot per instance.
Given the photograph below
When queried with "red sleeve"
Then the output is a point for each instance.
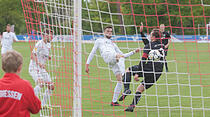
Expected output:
(34, 104)
(145, 55)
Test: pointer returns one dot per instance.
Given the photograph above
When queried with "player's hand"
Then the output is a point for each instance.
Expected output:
(136, 77)
(87, 68)
(43, 66)
(137, 50)
(49, 57)
(141, 27)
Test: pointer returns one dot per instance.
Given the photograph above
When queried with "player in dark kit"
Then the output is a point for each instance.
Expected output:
(166, 41)
(149, 69)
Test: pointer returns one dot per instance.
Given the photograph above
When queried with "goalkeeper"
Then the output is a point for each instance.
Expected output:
(113, 57)
(165, 39)
(37, 70)
(147, 68)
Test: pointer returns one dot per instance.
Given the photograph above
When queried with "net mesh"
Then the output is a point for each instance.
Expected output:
(182, 91)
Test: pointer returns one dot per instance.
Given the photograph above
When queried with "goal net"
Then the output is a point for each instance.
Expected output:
(183, 91)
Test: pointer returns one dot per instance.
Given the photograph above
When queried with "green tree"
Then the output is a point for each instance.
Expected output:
(12, 13)
(181, 17)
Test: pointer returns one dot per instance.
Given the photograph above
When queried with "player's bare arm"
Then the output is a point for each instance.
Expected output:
(87, 68)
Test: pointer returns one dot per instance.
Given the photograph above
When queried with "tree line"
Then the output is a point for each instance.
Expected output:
(180, 16)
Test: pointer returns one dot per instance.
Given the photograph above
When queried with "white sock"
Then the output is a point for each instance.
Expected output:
(117, 91)
(121, 63)
(37, 90)
(46, 97)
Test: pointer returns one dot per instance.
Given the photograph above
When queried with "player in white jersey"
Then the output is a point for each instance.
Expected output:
(113, 57)
(8, 38)
(39, 57)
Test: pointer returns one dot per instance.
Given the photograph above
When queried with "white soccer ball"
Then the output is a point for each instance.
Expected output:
(155, 55)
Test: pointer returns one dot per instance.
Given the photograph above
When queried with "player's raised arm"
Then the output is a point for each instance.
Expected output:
(144, 39)
(168, 39)
(126, 54)
(91, 55)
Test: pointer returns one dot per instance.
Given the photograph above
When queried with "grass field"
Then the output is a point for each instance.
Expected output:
(175, 94)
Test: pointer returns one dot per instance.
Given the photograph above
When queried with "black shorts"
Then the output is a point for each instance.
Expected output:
(136, 69)
(149, 78)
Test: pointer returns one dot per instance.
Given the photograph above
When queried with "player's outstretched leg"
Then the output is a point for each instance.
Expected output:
(130, 108)
(126, 81)
(125, 93)
(166, 66)
(117, 91)
(46, 96)
(136, 99)
(37, 89)
(47, 93)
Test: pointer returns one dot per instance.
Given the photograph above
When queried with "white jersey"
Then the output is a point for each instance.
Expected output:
(106, 46)
(7, 40)
(42, 51)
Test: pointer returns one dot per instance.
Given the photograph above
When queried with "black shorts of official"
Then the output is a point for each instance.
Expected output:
(149, 78)
(166, 51)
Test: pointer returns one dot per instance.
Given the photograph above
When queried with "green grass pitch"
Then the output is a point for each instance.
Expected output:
(185, 94)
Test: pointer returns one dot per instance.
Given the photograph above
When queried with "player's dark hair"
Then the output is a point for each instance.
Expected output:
(107, 27)
(157, 34)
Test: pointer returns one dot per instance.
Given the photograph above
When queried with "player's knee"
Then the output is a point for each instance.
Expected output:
(140, 88)
(40, 82)
(119, 77)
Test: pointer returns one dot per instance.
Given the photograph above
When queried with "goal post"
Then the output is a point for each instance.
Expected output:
(77, 55)
(207, 31)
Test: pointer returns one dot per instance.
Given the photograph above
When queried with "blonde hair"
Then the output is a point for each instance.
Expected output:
(11, 61)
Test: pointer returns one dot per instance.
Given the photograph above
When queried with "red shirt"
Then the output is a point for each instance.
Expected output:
(17, 98)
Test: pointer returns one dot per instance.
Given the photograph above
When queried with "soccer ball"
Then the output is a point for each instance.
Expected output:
(155, 55)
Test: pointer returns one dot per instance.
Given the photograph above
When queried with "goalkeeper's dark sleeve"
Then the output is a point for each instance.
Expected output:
(144, 39)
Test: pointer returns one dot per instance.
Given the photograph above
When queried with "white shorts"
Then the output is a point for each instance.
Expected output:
(110, 58)
(38, 73)
(4, 50)
(119, 67)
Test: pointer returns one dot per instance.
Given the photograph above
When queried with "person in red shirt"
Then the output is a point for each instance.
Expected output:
(17, 98)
